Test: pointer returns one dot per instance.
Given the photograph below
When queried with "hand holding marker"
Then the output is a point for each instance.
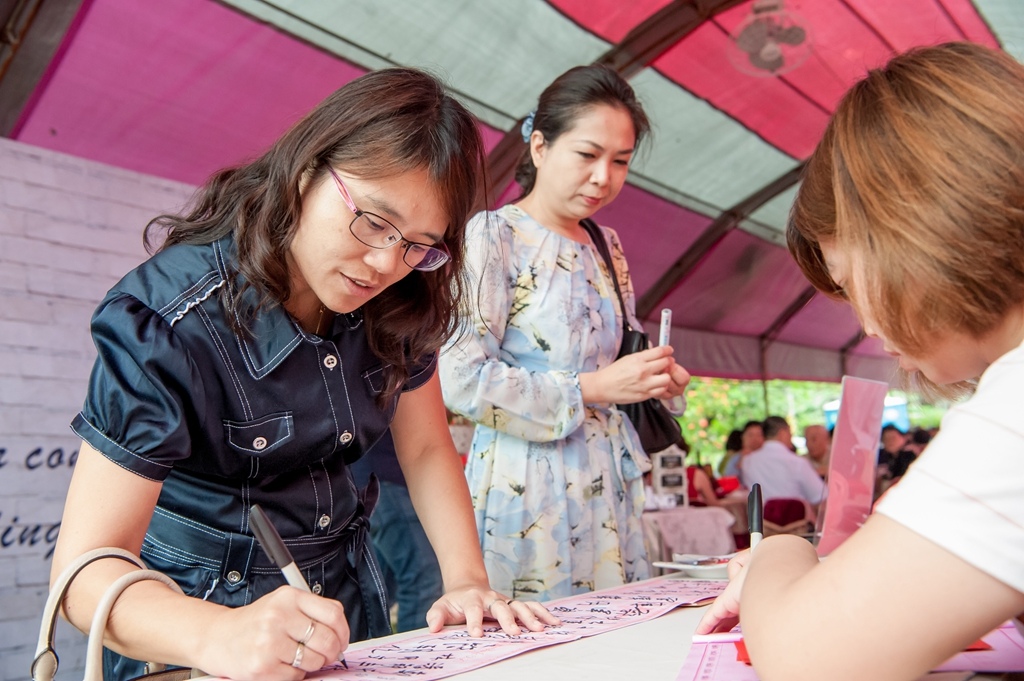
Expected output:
(273, 545)
(755, 515)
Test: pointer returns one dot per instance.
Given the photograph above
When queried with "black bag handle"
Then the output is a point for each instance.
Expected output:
(601, 244)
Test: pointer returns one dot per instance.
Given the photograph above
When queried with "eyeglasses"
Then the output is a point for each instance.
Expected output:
(376, 232)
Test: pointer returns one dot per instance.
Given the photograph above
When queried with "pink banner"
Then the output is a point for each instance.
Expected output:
(851, 476)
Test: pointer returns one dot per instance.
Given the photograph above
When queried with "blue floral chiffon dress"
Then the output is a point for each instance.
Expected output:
(556, 484)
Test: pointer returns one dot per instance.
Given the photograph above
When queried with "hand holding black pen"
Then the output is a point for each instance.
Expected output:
(273, 545)
(755, 515)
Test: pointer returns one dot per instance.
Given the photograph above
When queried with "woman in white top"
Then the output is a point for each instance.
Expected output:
(912, 208)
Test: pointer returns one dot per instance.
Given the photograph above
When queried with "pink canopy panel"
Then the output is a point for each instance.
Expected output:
(653, 232)
(828, 320)
(740, 288)
(180, 108)
(791, 110)
(206, 88)
(181, 88)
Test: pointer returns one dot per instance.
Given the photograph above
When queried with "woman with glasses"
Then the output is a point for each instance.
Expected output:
(555, 469)
(288, 318)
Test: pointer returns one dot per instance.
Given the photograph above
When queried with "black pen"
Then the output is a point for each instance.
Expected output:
(755, 513)
(273, 545)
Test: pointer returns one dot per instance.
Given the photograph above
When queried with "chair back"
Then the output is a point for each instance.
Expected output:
(787, 516)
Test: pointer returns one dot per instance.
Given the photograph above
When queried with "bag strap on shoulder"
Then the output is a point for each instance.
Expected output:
(601, 244)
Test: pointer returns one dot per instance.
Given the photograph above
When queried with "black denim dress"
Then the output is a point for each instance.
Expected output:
(226, 421)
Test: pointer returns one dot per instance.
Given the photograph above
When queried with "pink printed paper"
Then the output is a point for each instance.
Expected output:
(1007, 654)
(453, 651)
(851, 476)
(717, 661)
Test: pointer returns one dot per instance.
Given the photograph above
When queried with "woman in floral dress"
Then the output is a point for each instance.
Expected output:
(555, 469)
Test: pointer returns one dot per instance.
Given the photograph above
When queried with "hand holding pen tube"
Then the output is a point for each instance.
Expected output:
(637, 376)
(268, 537)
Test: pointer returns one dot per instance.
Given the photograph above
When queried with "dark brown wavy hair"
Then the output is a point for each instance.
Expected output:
(569, 95)
(381, 124)
(920, 174)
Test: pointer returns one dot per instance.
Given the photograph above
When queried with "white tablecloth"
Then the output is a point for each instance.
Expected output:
(704, 530)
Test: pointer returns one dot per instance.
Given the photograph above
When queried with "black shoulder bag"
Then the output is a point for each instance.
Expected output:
(654, 424)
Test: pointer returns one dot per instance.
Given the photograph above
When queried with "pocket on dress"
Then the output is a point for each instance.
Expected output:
(374, 380)
(260, 436)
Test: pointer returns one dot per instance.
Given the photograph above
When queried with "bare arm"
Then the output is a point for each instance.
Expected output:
(702, 483)
(887, 605)
(437, 487)
(110, 506)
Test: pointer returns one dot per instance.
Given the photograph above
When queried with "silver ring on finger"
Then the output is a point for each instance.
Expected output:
(309, 633)
(297, 662)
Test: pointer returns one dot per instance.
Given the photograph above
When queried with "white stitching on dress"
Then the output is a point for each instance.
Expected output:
(316, 498)
(330, 399)
(330, 489)
(348, 399)
(187, 521)
(430, 366)
(126, 451)
(200, 284)
(194, 303)
(233, 427)
(173, 553)
(228, 366)
(259, 372)
(376, 577)
(244, 492)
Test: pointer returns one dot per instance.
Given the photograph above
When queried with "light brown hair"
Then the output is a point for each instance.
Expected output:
(920, 173)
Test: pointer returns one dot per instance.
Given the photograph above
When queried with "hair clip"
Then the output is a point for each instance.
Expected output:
(527, 128)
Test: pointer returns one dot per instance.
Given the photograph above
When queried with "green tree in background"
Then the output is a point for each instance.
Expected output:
(716, 406)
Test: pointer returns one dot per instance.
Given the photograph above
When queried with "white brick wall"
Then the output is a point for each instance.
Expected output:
(69, 229)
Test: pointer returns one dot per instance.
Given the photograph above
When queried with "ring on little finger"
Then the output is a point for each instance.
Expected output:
(297, 662)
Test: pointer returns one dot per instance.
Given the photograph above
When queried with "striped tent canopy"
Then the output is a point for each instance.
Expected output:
(181, 88)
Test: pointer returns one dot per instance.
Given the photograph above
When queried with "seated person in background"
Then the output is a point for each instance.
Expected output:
(894, 457)
(751, 439)
(700, 489)
(780, 474)
(919, 439)
(733, 445)
(819, 447)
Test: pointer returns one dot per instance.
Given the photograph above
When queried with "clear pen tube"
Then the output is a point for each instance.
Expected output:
(666, 327)
(676, 405)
